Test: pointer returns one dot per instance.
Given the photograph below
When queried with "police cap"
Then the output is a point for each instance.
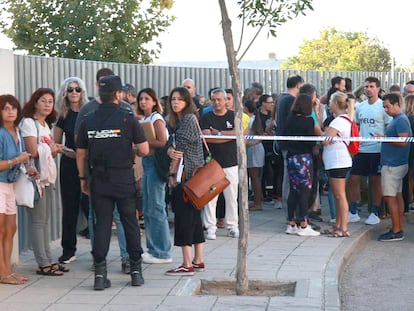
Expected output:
(110, 84)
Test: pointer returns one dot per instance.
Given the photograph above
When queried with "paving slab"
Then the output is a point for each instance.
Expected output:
(314, 263)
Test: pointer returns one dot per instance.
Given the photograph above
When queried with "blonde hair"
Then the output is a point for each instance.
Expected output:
(341, 99)
(351, 107)
(409, 104)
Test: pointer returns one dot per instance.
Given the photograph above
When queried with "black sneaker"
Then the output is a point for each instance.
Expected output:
(126, 267)
(391, 236)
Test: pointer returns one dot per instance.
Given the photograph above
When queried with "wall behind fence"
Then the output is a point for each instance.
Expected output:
(32, 72)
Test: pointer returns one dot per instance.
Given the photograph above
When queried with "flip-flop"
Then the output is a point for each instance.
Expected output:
(19, 276)
(11, 280)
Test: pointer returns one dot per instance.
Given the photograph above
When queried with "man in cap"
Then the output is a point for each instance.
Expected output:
(106, 137)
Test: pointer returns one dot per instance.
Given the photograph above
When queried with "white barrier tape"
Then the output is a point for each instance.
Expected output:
(317, 138)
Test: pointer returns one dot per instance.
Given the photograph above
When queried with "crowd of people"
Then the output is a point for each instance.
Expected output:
(109, 170)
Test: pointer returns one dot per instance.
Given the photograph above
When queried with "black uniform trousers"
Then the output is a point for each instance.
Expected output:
(104, 204)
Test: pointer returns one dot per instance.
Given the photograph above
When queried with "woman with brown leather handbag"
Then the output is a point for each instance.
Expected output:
(186, 148)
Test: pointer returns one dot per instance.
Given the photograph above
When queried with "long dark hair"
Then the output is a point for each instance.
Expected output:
(151, 93)
(29, 108)
(190, 107)
(302, 105)
(10, 99)
(257, 127)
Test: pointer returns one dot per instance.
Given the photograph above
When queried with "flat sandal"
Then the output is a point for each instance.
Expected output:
(49, 270)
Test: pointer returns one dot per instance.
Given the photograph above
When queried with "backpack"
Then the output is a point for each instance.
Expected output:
(353, 146)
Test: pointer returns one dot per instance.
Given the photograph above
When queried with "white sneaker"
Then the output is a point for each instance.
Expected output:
(211, 234)
(353, 217)
(291, 229)
(234, 233)
(372, 219)
(308, 231)
(333, 221)
(149, 259)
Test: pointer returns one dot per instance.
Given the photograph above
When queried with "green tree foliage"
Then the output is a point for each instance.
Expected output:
(341, 51)
(108, 30)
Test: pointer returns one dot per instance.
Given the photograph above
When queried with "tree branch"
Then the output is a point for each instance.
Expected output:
(242, 31)
(257, 33)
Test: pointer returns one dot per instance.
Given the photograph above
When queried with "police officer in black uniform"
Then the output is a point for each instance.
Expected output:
(106, 139)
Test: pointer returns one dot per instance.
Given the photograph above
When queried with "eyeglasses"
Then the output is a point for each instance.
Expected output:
(72, 89)
(8, 109)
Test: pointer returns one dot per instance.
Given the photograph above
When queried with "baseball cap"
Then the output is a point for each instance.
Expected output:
(110, 84)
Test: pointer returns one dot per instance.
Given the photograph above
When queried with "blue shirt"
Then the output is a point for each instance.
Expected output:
(392, 155)
(8, 150)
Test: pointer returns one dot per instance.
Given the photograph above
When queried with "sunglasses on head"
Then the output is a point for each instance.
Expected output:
(71, 89)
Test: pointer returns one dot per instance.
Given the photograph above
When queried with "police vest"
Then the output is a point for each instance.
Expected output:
(109, 143)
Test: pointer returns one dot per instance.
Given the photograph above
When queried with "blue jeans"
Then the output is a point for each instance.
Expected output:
(119, 231)
(155, 215)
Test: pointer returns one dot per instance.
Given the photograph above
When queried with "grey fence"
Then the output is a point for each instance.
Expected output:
(32, 72)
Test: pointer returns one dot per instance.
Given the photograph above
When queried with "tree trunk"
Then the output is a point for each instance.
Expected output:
(242, 281)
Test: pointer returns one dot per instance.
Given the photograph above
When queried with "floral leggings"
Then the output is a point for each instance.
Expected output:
(300, 170)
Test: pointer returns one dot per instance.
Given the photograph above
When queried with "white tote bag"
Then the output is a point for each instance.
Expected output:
(24, 189)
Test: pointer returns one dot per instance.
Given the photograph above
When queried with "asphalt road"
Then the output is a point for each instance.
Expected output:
(381, 276)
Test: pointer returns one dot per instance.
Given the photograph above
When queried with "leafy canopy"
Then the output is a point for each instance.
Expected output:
(107, 30)
(341, 51)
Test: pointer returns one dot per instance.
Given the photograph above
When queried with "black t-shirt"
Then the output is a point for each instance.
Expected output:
(225, 153)
(68, 127)
(299, 126)
(284, 103)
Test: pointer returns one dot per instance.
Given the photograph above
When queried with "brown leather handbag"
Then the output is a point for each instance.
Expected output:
(207, 181)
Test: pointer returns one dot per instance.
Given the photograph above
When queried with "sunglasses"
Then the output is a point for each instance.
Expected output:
(72, 89)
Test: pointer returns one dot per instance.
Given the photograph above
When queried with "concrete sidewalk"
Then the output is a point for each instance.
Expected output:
(314, 263)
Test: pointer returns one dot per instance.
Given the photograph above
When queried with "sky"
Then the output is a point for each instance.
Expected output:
(199, 20)
(196, 33)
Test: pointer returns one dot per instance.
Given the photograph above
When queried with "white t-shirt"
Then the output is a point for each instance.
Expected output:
(336, 155)
(28, 129)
